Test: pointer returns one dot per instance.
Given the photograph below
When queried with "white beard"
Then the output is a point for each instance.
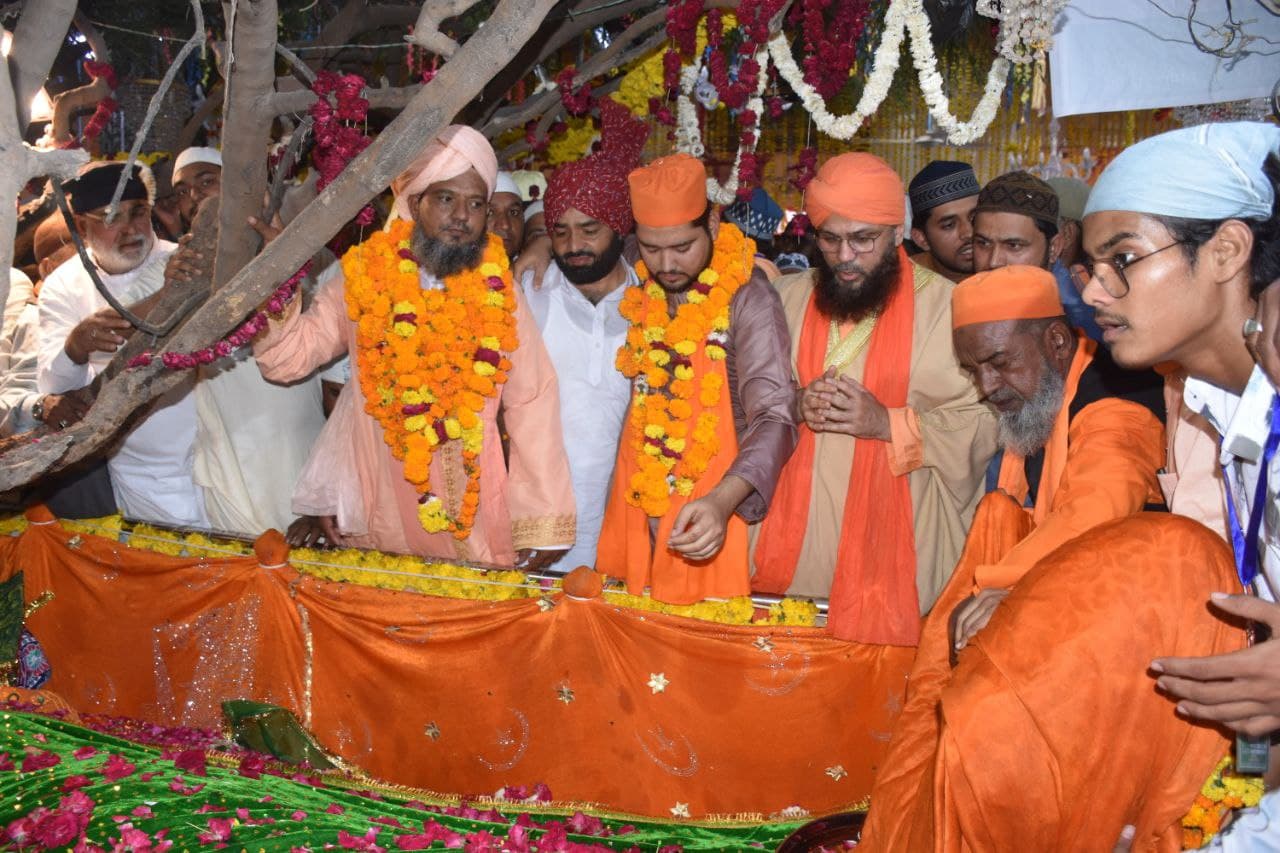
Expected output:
(113, 261)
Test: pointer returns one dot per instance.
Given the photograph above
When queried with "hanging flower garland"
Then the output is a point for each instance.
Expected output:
(429, 359)
(106, 107)
(901, 17)
(657, 354)
(338, 133)
(830, 48)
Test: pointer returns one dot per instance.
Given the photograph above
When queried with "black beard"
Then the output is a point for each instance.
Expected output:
(844, 304)
(600, 266)
(443, 259)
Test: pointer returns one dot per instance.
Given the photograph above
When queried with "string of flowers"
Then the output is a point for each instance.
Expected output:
(830, 49)
(106, 107)
(1026, 26)
(1221, 793)
(429, 359)
(577, 102)
(901, 17)
(674, 439)
(243, 334)
(338, 134)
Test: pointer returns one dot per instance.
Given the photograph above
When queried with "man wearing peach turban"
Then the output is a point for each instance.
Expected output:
(1007, 685)
(522, 513)
(710, 422)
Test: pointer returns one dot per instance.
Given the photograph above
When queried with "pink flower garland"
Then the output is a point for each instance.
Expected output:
(106, 107)
(244, 334)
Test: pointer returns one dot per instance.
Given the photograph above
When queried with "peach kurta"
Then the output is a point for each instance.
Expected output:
(352, 474)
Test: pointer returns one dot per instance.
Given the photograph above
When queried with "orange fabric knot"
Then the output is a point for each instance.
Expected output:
(583, 583)
(40, 514)
(271, 549)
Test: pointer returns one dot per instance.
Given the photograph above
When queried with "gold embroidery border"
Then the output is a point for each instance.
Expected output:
(547, 530)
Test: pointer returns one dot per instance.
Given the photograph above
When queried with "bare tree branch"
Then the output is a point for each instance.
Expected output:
(299, 67)
(426, 33)
(457, 82)
(380, 98)
(153, 109)
(211, 104)
(36, 41)
(246, 134)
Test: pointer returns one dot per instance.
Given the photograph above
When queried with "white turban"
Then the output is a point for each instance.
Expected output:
(197, 155)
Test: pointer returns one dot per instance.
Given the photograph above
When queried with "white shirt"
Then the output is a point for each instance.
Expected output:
(1244, 423)
(151, 467)
(583, 340)
(18, 394)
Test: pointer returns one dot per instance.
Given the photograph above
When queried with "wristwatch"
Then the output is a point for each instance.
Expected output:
(37, 411)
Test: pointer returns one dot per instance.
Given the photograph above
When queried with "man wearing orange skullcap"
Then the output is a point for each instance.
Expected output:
(873, 507)
(710, 423)
(1082, 442)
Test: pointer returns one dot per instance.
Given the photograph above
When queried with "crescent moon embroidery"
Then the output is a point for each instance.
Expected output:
(509, 743)
(667, 746)
(783, 678)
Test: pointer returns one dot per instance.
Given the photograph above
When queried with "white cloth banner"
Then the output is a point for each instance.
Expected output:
(1110, 56)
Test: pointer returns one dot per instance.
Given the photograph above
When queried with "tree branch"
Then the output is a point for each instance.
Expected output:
(457, 82)
(426, 32)
(36, 41)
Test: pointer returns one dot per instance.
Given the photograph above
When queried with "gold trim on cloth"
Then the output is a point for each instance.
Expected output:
(843, 352)
(541, 532)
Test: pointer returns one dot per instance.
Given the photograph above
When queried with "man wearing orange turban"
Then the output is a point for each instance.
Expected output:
(710, 422)
(410, 461)
(1082, 442)
(873, 507)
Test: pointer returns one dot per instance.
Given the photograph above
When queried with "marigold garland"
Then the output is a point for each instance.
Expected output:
(672, 424)
(1221, 793)
(429, 359)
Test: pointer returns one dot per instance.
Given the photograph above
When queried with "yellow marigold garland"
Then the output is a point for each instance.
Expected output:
(404, 572)
(672, 453)
(428, 359)
(1222, 792)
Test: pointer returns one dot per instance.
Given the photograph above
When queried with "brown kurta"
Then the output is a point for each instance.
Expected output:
(942, 442)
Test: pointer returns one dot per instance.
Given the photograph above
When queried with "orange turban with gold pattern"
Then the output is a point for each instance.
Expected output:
(1009, 293)
(669, 191)
(857, 186)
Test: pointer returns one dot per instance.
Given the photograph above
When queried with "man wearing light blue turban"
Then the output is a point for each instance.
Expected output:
(1182, 261)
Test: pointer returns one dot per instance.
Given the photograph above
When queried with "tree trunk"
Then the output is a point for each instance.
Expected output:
(246, 135)
(36, 41)
(458, 81)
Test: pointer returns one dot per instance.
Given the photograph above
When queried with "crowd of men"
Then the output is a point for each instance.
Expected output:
(1018, 451)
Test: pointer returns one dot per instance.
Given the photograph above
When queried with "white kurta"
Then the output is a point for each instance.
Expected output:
(151, 468)
(583, 341)
(18, 392)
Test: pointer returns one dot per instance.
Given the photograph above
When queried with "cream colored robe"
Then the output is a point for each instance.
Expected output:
(944, 447)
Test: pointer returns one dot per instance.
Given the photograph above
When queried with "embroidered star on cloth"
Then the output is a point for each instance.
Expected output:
(837, 772)
(564, 694)
(680, 810)
(658, 682)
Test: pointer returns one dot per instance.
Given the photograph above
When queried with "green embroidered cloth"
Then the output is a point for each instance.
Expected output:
(81, 784)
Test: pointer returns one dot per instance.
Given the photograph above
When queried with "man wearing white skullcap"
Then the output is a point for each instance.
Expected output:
(1181, 238)
(506, 214)
(410, 460)
(197, 175)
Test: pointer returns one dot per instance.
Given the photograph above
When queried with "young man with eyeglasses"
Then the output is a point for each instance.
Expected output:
(1182, 240)
(151, 469)
(873, 507)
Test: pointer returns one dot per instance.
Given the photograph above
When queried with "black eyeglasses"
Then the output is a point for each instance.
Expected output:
(1116, 286)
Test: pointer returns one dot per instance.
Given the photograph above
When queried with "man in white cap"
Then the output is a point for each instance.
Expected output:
(253, 436)
(506, 214)
(410, 461)
(197, 175)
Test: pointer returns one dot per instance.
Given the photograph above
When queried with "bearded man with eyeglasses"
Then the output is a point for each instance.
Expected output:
(873, 507)
(151, 468)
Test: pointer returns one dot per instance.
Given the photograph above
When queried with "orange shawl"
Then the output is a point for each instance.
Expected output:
(873, 598)
(626, 550)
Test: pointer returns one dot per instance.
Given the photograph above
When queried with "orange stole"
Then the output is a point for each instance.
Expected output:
(1049, 734)
(625, 549)
(873, 597)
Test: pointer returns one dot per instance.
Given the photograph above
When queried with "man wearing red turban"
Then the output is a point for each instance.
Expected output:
(588, 213)
(710, 422)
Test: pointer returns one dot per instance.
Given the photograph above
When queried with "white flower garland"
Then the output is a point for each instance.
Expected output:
(902, 16)
(1026, 26)
(689, 132)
